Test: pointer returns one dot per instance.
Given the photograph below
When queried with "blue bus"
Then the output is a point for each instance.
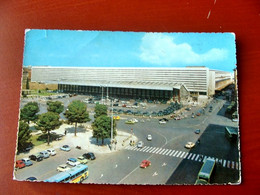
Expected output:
(75, 175)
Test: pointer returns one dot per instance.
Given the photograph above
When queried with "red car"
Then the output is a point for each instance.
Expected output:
(19, 164)
(145, 163)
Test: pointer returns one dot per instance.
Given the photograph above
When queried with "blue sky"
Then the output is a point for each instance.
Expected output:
(129, 49)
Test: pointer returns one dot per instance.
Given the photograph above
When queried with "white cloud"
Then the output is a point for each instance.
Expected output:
(157, 48)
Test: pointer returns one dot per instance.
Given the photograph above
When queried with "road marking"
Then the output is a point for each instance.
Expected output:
(116, 166)
(164, 164)
(197, 157)
(161, 151)
(168, 152)
(224, 163)
(236, 165)
(156, 150)
(172, 153)
(135, 148)
(101, 175)
(155, 173)
(182, 154)
(165, 151)
(186, 155)
(179, 154)
(205, 158)
(143, 148)
(128, 147)
(228, 164)
(146, 149)
(152, 148)
(193, 156)
(201, 158)
(189, 156)
(233, 164)
(175, 153)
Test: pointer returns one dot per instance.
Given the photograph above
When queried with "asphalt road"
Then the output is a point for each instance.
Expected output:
(171, 162)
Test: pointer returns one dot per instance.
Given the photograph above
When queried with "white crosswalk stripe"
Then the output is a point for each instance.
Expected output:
(168, 152)
(156, 150)
(197, 157)
(179, 154)
(171, 153)
(165, 151)
(143, 148)
(182, 154)
(161, 151)
(150, 150)
(185, 155)
(189, 156)
(175, 153)
(193, 156)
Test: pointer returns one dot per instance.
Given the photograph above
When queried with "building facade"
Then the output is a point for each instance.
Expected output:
(150, 83)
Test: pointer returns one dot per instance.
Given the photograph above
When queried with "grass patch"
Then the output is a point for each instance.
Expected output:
(35, 140)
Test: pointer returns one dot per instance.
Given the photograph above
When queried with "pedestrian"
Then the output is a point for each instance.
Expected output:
(65, 132)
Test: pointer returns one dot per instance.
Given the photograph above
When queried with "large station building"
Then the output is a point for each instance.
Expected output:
(145, 83)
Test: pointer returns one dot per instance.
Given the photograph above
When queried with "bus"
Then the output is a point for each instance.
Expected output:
(75, 175)
(231, 133)
(206, 172)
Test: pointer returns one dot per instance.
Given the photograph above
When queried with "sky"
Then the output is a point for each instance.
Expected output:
(67, 48)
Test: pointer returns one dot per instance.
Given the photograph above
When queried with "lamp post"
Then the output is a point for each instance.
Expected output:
(111, 139)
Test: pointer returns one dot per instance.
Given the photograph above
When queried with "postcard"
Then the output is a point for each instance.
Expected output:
(140, 108)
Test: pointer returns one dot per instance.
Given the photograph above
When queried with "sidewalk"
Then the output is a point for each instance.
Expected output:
(83, 139)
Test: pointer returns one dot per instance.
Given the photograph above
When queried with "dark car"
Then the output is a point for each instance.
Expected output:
(36, 157)
(89, 155)
(197, 131)
(31, 179)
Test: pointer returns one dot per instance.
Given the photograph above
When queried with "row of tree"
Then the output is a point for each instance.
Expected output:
(75, 113)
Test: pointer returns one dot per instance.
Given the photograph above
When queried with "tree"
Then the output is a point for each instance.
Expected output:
(56, 107)
(29, 111)
(24, 136)
(47, 122)
(100, 109)
(77, 113)
(102, 128)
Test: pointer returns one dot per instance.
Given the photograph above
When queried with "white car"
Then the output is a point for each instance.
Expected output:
(45, 154)
(162, 122)
(62, 168)
(73, 162)
(51, 151)
(190, 145)
(149, 137)
(140, 144)
(134, 120)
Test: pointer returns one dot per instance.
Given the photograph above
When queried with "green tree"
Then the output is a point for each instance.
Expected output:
(27, 83)
(47, 122)
(29, 111)
(77, 113)
(102, 128)
(56, 107)
(100, 109)
(24, 136)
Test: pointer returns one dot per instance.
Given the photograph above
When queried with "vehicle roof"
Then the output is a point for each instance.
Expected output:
(73, 159)
(77, 169)
(58, 177)
(25, 159)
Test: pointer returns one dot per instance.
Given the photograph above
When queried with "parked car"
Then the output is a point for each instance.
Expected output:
(89, 155)
(162, 122)
(62, 168)
(73, 162)
(31, 179)
(19, 164)
(45, 154)
(65, 148)
(27, 161)
(51, 151)
(129, 122)
(140, 144)
(135, 120)
(145, 163)
(36, 157)
(149, 137)
(197, 131)
(190, 145)
(82, 160)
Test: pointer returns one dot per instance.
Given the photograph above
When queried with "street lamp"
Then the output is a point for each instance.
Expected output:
(111, 139)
